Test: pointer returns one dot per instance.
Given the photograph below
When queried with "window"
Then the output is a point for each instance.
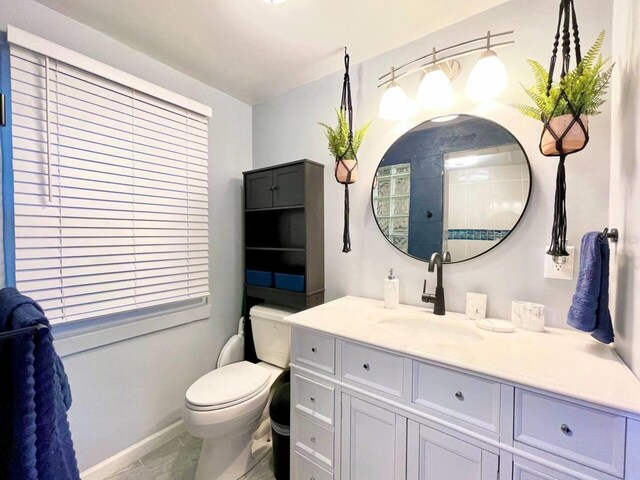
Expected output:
(110, 200)
(391, 198)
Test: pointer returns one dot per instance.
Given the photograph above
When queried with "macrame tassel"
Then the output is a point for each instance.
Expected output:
(346, 105)
(346, 236)
(567, 20)
(558, 247)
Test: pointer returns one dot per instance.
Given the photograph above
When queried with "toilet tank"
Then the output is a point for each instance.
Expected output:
(271, 334)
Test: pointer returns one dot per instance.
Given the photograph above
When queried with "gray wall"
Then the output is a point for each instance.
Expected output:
(126, 391)
(285, 128)
(625, 180)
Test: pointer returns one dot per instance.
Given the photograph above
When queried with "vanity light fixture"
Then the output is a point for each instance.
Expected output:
(435, 91)
(273, 2)
(395, 104)
(462, 162)
(487, 80)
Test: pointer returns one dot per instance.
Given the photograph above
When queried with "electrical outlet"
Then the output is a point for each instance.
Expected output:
(559, 272)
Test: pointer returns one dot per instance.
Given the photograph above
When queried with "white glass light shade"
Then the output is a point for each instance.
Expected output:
(435, 91)
(394, 104)
(274, 1)
(488, 79)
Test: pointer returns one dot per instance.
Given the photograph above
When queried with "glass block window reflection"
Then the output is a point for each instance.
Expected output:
(391, 197)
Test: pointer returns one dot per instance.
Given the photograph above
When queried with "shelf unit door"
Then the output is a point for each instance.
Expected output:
(288, 185)
(259, 190)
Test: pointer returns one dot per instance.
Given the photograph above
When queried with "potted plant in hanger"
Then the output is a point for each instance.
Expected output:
(338, 142)
(566, 105)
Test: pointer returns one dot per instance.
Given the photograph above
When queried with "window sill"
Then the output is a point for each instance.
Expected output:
(76, 337)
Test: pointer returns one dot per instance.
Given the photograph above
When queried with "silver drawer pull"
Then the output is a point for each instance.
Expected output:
(459, 395)
(564, 428)
(312, 399)
(313, 439)
(366, 367)
(314, 349)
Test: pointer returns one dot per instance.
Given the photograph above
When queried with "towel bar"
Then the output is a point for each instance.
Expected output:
(611, 234)
(18, 332)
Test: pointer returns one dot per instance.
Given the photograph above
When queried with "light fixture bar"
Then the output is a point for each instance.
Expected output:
(434, 60)
(487, 37)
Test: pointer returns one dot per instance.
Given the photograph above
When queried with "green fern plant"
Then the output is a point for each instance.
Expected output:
(585, 86)
(338, 137)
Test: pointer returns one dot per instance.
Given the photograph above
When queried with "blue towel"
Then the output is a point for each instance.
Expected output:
(35, 441)
(589, 310)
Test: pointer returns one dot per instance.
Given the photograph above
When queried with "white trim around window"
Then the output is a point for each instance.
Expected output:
(49, 49)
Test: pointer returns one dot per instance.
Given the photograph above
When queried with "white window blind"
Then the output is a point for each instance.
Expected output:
(115, 217)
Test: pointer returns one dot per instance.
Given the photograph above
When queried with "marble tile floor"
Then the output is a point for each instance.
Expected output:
(262, 471)
(177, 460)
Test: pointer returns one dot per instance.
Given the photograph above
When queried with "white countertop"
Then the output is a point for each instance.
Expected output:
(562, 361)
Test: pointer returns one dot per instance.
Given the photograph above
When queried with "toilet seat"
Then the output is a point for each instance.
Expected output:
(227, 386)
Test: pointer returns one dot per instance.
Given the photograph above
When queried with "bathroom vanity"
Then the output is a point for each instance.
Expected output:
(403, 394)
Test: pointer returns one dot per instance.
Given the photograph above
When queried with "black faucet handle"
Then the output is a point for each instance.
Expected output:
(426, 297)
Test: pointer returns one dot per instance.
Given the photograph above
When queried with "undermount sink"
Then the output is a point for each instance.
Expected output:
(429, 329)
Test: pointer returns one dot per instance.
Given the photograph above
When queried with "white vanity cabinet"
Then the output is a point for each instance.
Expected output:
(361, 412)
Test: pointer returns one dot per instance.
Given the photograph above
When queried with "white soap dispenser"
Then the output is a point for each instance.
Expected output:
(391, 291)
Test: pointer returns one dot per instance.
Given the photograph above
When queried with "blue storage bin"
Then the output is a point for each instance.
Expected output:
(294, 283)
(259, 278)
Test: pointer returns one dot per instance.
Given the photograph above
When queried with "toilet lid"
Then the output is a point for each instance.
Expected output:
(228, 385)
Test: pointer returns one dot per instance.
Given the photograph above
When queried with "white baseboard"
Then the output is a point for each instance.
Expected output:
(136, 451)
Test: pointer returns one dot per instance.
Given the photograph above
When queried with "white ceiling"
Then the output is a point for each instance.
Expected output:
(253, 50)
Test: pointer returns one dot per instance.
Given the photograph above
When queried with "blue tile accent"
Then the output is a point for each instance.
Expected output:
(476, 234)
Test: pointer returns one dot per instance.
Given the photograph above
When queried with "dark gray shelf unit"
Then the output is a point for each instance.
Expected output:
(284, 233)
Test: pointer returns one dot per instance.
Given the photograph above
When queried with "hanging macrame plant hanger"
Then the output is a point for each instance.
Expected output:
(348, 160)
(565, 134)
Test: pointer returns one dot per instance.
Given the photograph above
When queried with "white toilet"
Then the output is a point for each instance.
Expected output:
(228, 408)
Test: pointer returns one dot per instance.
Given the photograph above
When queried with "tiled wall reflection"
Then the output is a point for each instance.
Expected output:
(484, 199)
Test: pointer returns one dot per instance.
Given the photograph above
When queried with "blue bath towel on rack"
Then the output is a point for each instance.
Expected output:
(35, 440)
(589, 310)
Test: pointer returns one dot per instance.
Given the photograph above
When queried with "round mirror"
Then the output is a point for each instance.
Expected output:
(457, 185)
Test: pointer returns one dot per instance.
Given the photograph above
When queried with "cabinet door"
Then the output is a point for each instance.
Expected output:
(373, 442)
(527, 470)
(288, 185)
(524, 473)
(259, 190)
(433, 455)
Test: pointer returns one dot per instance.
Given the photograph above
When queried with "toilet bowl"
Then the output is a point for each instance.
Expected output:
(228, 407)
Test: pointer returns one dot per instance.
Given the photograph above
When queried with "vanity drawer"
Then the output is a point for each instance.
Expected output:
(373, 368)
(314, 350)
(469, 398)
(582, 434)
(314, 440)
(313, 398)
(305, 469)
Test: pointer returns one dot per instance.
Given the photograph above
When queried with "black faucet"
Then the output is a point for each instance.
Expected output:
(438, 298)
